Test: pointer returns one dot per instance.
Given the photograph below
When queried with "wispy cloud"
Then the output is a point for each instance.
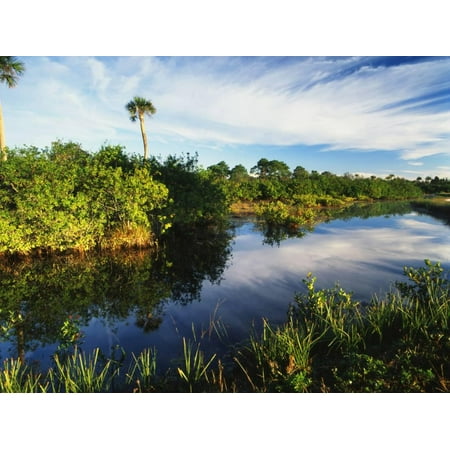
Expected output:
(358, 104)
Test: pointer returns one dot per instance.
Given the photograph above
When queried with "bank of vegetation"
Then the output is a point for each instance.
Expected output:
(63, 198)
(330, 342)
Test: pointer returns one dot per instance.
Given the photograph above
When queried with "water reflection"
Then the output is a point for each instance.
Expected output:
(358, 253)
(104, 292)
(146, 299)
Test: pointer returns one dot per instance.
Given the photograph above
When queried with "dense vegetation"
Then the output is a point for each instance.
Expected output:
(329, 343)
(65, 198)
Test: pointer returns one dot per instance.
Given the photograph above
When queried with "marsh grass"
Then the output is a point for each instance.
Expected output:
(336, 317)
(17, 377)
(79, 372)
(128, 236)
(279, 360)
(142, 371)
(194, 368)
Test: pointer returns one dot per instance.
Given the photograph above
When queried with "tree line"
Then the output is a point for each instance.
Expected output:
(63, 197)
(271, 180)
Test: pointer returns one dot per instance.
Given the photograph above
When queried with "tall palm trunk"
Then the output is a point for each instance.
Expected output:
(144, 135)
(3, 153)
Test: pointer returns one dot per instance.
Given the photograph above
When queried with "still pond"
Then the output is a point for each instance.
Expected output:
(231, 278)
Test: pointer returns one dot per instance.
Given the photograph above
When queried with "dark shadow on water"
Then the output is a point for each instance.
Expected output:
(43, 300)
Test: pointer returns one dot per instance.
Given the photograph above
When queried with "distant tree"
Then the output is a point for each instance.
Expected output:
(10, 70)
(239, 173)
(138, 108)
(271, 169)
(300, 172)
(220, 170)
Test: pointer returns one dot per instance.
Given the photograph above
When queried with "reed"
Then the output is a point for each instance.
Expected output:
(278, 360)
(79, 372)
(337, 318)
(142, 371)
(194, 368)
(17, 377)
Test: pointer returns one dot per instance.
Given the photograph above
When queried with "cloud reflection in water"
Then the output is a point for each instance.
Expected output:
(361, 255)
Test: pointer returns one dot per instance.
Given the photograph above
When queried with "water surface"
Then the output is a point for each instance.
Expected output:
(238, 276)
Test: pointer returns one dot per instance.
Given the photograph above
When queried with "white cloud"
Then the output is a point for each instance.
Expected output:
(218, 101)
(345, 114)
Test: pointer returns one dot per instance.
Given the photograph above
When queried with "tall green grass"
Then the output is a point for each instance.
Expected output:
(194, 367)
(17, 377)
(79, 372)
(142, 371)
(279, 360)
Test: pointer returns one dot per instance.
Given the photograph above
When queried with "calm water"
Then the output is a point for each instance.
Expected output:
(238, 276)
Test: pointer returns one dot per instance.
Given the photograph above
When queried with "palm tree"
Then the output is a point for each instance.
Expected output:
(137, 108)
(10, 70)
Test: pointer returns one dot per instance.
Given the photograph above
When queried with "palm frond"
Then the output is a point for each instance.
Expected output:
(10, 70)
(140, 105)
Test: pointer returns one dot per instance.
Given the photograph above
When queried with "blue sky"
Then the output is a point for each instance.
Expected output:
(366, 115)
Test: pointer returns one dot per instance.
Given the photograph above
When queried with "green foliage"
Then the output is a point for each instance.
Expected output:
(70, 334)
(337, 318)
(220, 170)
(10, 70)
(279, 360)
(271, 169)
(360, 373)
(281, 221)
(427, 283)
(434, 185)
(139, 106)
(239, 174)
(197, 196)
(278, 213)
(65, 199)
(273, 182)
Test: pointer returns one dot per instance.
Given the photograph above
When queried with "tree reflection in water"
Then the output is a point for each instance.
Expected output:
(39, 297)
